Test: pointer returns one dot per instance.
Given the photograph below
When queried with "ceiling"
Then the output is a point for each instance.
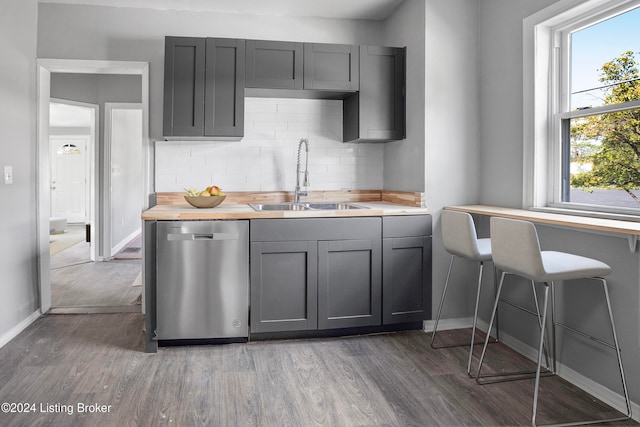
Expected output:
(338, 9)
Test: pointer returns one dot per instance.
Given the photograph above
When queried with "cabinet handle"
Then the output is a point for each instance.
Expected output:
(202, 236)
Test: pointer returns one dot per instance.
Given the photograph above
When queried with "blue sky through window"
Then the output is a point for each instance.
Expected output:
(595, 45)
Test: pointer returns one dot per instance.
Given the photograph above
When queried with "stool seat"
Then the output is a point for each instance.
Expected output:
(484, 251)
(565, 266)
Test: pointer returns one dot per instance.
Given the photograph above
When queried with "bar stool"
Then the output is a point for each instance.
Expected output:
(460, 240)
(516, 250)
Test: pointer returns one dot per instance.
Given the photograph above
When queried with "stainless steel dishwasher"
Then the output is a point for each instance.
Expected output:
(202, 280)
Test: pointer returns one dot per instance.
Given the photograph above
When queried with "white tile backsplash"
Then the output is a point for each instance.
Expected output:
(265, 159)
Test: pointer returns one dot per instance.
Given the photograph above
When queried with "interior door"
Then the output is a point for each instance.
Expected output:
(69, 177)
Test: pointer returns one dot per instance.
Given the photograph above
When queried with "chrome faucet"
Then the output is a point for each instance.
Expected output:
(305, 183)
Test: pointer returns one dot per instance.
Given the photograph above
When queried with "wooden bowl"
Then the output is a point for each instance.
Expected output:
(204, 202)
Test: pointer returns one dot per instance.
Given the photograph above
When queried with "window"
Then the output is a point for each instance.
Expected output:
(582, 127)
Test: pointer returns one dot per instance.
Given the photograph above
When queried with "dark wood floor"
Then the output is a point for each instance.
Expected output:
(392, 379)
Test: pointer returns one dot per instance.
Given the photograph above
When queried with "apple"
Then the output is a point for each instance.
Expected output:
(214, 190)
(204, 194)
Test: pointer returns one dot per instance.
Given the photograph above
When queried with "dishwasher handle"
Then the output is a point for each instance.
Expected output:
(202, 236)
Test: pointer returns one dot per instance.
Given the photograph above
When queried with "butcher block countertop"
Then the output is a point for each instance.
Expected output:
(244, 211)
(172, 206)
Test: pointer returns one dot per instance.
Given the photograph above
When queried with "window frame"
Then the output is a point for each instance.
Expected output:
(546, 60)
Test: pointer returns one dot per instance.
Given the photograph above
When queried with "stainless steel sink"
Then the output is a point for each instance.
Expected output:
(278, 207)
(325, 206)
(334, 206)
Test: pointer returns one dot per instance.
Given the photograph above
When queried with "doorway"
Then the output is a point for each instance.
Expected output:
(78, 284)
(99, 206)
(73, 129)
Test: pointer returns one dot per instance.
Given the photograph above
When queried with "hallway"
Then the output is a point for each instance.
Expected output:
(79, 283)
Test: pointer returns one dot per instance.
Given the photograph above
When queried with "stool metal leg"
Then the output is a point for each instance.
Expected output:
(444, 293)
(495, 292)
(546, 346)
(615, 342)
(475, 319)
(493, 316)
(518, 375)
(615, 346)
(540, 347)
(554, 322)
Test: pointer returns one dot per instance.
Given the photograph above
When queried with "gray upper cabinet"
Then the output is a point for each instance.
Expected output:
(205, 82)
(184, 66)
(376, 113)
(203, 88)
(274, 64)
(331, 67)
(224, 88)
(406, 280)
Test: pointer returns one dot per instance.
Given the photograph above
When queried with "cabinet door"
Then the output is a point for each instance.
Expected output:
(406, 283)
(224, 88)
(349, 283)
(331, 66)
(274, 65)
(184, 65)
(377, 111)
(283, 286)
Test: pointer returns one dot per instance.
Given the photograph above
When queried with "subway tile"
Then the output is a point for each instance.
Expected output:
(259, 134)
(271, 125)
(259, 117)
(265, 159)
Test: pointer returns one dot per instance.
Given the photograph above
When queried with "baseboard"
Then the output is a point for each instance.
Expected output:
(124, 242)
(448, 324)
(13, 332)
(611, 398)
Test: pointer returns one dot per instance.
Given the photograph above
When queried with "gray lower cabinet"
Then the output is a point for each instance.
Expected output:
(376, 113)
(406, 265)
(283, 286)
(349, 283)
(321, 273)
(274, 64)
(203, 88)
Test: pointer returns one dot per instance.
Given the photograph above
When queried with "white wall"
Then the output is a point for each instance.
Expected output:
(404, 160)
(452, 143)
(18, 249)
(265, 159)
(126, 174)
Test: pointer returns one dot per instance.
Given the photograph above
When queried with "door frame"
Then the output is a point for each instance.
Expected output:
(44, 69)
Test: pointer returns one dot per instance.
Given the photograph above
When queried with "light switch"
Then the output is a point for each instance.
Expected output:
(8, 175)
